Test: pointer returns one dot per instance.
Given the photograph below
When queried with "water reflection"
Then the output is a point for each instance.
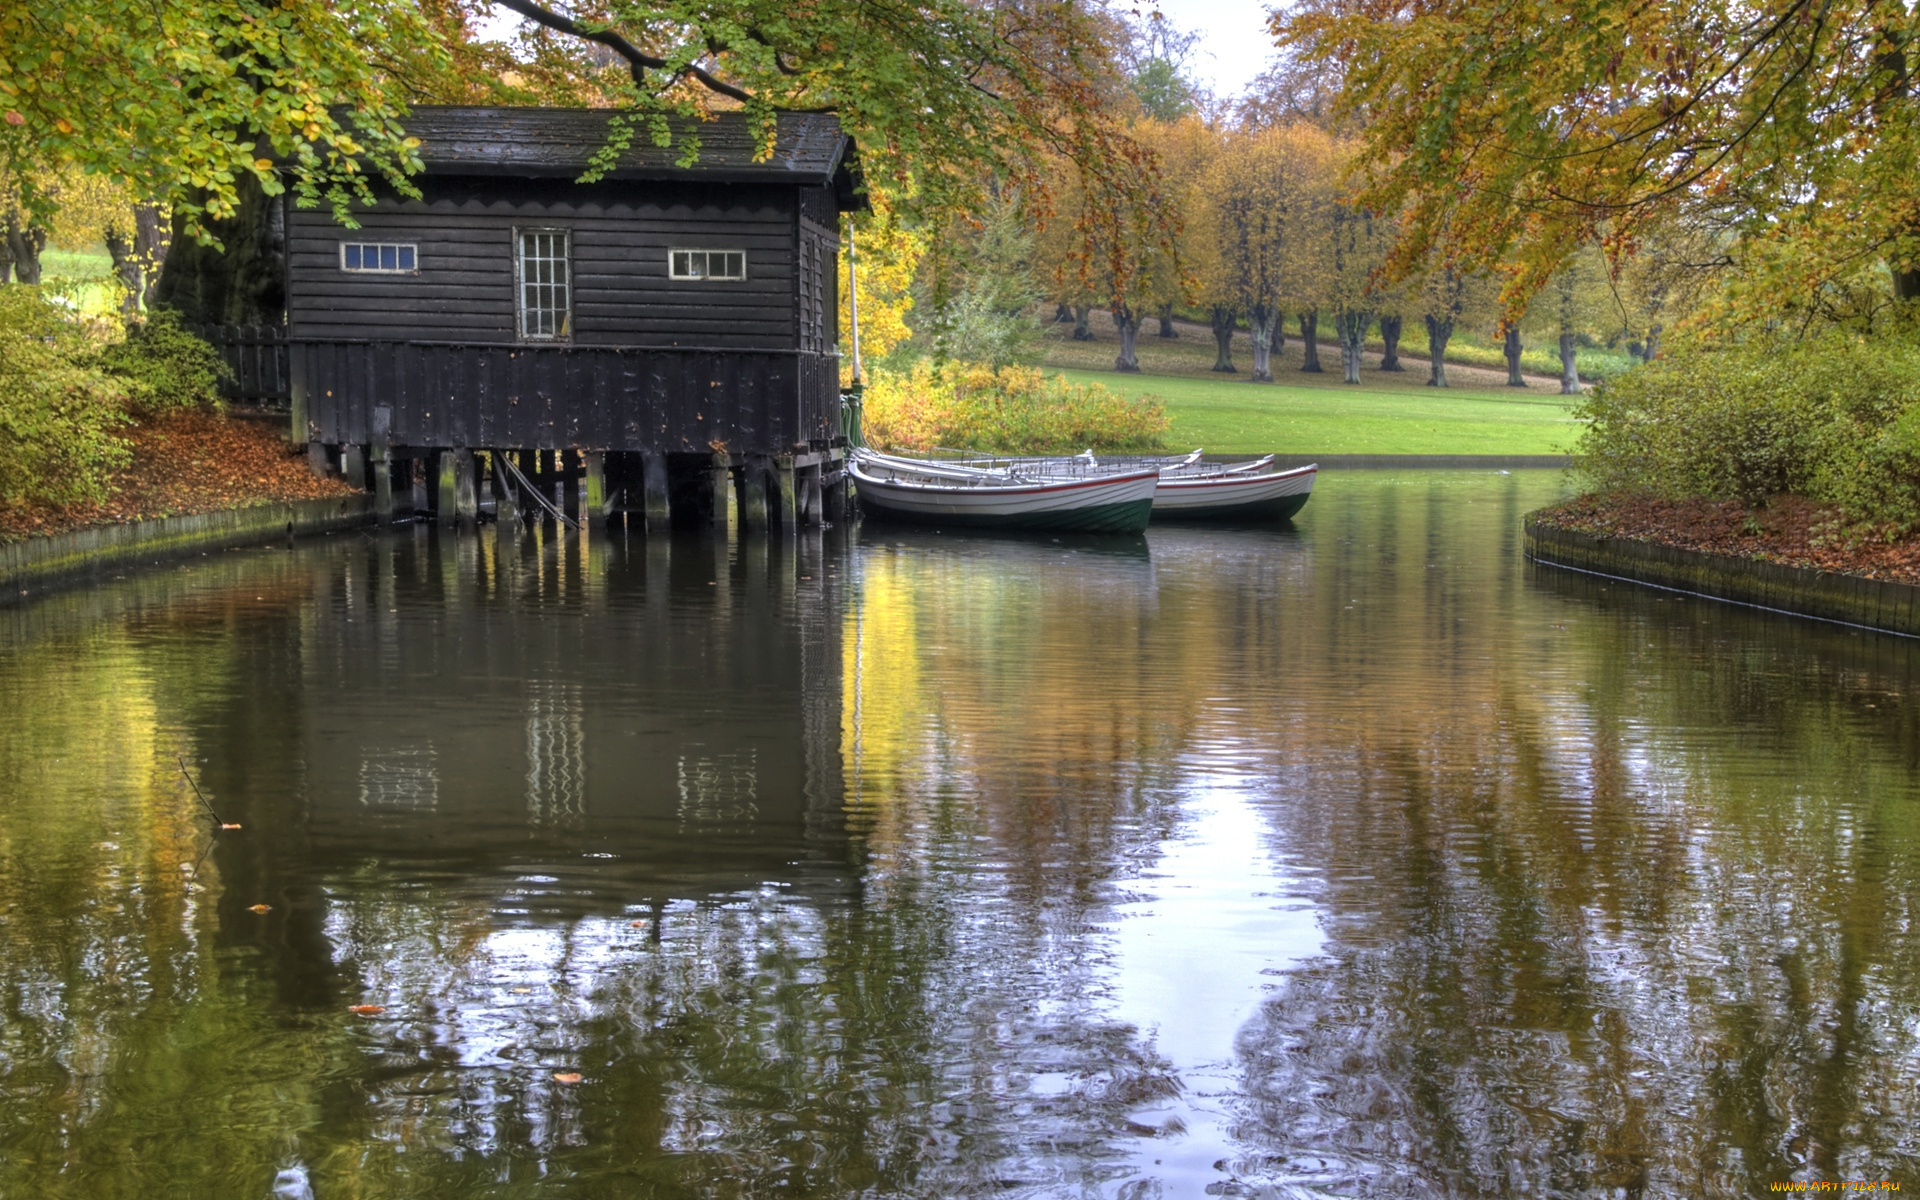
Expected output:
(1358, 858)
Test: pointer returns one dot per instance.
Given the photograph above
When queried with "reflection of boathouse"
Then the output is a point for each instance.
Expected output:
(703, 751)
(624, 341)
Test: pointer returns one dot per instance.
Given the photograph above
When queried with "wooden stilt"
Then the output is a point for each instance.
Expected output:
(722, 486)
(506, 500)
(653, 483)
(382, 463)
(834, 494)
(753, 492)
(353, 466)
(417, 485)
(810, 496)
(466, 499)
(317, 459)
(593, 490)
(789, 496)
(449, 495)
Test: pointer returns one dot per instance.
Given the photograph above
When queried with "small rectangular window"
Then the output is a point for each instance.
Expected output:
(389, 258)
(546, 284)
(708, 264)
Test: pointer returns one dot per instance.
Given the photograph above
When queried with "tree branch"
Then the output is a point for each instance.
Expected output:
(639, 62)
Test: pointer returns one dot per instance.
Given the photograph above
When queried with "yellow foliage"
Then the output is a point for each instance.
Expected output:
(888, 253)
(1010, 409)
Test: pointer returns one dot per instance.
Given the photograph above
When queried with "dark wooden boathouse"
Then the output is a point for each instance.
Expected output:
(642, 341)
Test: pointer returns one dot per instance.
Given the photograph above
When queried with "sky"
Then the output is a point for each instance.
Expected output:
(1234, 43)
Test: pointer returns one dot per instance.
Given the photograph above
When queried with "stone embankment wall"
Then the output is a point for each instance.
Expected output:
(1849, 599)
(40, 563)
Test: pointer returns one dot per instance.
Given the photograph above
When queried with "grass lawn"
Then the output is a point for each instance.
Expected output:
(1232, 416)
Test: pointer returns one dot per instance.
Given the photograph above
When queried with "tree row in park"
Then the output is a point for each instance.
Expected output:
(1270, 237)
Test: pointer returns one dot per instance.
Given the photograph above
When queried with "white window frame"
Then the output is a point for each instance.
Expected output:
(563, 327)
(376, 247)
(674, 264)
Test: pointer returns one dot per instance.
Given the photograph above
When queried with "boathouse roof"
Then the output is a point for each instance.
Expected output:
(809, 148)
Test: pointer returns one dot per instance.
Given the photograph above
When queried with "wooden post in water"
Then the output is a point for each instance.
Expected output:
(383, 465)
(835, 494)
(449, 496)
(722, 472)
(653, 485)
(417, 485)
(809, 481)
(783, 472)
(353, 466)
(466, 499)
(506, 497)
(317, 459)
(593, 489)
(753, 492)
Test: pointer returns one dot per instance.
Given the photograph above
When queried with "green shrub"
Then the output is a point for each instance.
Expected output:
(1013, 410)
(1833, 418)
(58, 408)
(169, 368)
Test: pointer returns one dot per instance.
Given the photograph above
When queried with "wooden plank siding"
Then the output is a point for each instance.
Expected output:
(620, 233)
(567, 397)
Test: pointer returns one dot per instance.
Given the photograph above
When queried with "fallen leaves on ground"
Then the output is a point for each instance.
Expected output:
(1790, 530)
(187, 463)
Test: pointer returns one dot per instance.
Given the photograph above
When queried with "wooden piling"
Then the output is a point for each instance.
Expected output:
(722, 470)
(593, 490)
(753, 492)
(506, 495)
(783, 479)
(382, 463)
(449, 497)
(317, 459)
(353, 466)
(809, 482)
(417, 485)
(653, 484)
(834, 494)
(466, 498)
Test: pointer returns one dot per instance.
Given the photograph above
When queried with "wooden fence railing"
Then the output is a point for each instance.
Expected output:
(257, 355)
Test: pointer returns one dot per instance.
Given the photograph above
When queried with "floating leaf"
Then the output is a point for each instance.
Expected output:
(566, 1077)
(366, 1010)
(229, 825)
(261, 908)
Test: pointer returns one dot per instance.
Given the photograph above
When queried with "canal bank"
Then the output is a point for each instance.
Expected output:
(1886, 605)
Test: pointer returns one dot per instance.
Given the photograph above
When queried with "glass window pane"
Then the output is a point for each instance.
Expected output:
(406, 258)
(353, 256)
(389, 258)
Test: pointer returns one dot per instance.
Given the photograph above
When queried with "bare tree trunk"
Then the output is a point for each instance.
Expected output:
(243, 283)
(1569, 373)
(1512, 349)
(1223, 322)
(126, 264)
(151, 237)
(1310, 342)
(1260, 322)
(1062, 313)
(1653, 343)
(1390, 344)
(1080, 331)
(25, 241)
(1352, 327)
(1128, 323)
(1166, 321)
(6, 262)
(1278, 345)
(1438, 334)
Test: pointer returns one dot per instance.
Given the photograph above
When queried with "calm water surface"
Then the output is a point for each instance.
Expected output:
(1358, 858)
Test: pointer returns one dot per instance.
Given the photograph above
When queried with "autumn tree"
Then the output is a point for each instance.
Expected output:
(1788, 124)
(1270, 202)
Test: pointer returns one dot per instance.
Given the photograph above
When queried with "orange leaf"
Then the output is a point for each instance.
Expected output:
(228, 825)
(261, 908)
(566, 1077)
(366, 1010)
